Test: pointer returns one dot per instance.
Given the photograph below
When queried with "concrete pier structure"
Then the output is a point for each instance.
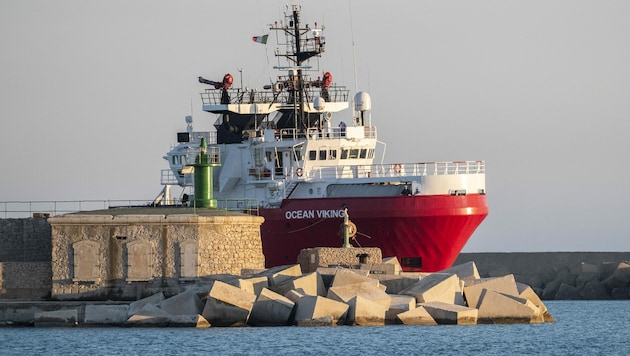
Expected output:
(130, 253)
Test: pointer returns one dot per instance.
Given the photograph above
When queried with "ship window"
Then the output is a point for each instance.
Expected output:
(268, 156)
(175, 160)
(371, 153)
(344, 153)
(332, 154)
(363, 152)
(312, 155)
(322, 155)
(354, 153)
(183, 159)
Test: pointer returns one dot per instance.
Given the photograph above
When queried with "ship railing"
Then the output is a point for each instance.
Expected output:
(211, 96)
(329, 133)
(393, 171)
(45, 209)
(167, 177)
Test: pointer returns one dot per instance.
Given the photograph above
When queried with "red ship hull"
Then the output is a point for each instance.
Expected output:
(425, 232)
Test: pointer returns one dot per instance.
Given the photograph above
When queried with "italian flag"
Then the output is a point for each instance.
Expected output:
(260, 39)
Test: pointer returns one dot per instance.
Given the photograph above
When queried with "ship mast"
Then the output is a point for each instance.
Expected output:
(299, 49)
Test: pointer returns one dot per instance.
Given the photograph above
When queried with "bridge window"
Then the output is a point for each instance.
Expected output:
(312, 155)
(322, 155)
(332, 154)
(175, 160)
(354, 153)
(363, 153)
(371, 153)
(344, 153)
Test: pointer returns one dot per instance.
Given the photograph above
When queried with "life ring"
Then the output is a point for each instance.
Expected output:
(352, 229)
(298, 172)
(397, 168)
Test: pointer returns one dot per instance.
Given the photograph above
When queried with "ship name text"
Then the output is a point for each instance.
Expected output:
(311, 214)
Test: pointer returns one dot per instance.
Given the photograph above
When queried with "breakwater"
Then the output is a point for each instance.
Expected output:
(27, 268)
(561, 275)
(329, 296)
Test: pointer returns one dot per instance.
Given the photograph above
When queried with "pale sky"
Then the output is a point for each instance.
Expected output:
(93, 92)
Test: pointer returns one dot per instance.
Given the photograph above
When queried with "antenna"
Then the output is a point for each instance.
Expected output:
(354, 53)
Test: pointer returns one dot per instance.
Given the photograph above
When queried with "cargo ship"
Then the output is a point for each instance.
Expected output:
(302, 152)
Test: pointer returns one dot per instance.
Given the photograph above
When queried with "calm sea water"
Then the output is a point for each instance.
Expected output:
(581, 328)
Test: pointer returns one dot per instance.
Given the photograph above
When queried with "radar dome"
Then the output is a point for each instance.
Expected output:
(362, 101)
(319, 103)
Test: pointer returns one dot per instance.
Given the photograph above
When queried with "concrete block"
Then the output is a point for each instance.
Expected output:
(567, 292)
(194, 321)
(394, 284)
(311, 284)
(365, 312)
(244, 284)
(376, 268)
(465, 271)
(106, 314)
(186, 303)
(257, 283)
(619, 293)
(149, 315)
(416, 316)
(295, 295)
(271, 309)
(393, 261)
(436, 287)
(594, 290)
(526, 292)
(497, 308)
(328, 274)
(450, 314)
(154, 299)
(620, 278)
(365, 290)
(345, 277)
(63, 317)
(279, 274)
(473, 288)
(399, 304)
(227, 305)
(310, 308)
(323, 321)
(584, 277)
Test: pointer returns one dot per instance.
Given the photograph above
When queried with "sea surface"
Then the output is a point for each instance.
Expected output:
(581, 328)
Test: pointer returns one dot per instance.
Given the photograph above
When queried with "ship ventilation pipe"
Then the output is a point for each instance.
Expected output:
(203, 177)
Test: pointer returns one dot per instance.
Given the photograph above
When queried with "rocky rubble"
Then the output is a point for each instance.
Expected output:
(329, 296)
(583, 281)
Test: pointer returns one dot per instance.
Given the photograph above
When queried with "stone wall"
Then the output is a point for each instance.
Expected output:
(25, 280)
(131, 256)
(25, 240)
(25, 255)
(312, 258)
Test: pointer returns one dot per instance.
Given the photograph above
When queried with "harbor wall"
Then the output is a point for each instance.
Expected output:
(25, 258)
(127, 257)
(27, 267)
(560, 275)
